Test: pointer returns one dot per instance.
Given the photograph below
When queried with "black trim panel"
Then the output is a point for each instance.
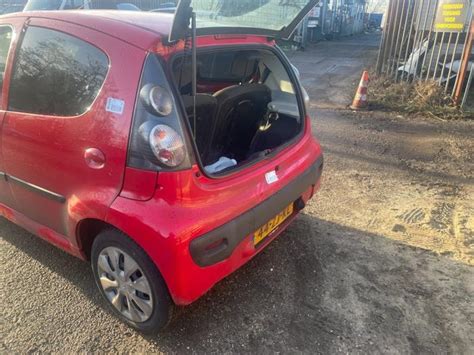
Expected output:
(43, 192)
(3, 175)
(218, 244)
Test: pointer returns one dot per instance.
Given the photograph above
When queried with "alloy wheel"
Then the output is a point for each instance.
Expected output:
(124, 284)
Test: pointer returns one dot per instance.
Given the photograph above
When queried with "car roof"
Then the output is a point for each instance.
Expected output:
(142, 29)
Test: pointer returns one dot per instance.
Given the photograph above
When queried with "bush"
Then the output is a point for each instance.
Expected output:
(422, 97)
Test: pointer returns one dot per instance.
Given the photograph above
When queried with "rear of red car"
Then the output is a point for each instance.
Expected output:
(199, 226)
(170, 193)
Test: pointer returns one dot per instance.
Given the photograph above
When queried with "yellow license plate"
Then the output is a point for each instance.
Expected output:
(267, 229)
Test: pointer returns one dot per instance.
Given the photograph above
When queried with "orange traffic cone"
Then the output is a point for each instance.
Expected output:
(360, 99)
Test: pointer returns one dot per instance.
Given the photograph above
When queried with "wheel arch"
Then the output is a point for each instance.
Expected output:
(89, 228)
(86, 231)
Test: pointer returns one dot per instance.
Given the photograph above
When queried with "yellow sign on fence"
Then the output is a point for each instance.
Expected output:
(451, 15)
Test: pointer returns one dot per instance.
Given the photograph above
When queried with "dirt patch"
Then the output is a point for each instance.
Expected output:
(407, 179)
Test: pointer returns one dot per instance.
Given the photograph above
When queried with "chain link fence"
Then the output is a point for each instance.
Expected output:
(430, 40)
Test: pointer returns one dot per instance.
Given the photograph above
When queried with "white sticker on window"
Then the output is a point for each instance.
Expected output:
(271, 177)
(115, 105)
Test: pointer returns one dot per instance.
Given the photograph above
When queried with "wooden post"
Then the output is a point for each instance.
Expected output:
(464, 64)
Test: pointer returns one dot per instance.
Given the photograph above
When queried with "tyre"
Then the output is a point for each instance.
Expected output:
(130, 282)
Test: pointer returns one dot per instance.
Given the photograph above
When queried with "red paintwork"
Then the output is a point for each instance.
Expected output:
(162, 212)
(186, 206)
(52, 148)
(138, 184)
(6, 195)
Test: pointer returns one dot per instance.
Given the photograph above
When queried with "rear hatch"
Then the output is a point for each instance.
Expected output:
(271, 18)
(249, 103)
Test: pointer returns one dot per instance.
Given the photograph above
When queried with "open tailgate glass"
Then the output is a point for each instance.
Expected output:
(272, 18)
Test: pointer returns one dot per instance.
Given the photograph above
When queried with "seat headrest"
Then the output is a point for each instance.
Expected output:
(244, 66)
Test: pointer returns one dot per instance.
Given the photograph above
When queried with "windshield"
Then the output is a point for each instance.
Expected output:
(268, 14)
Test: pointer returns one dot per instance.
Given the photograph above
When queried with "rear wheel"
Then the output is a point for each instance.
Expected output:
(130, 282)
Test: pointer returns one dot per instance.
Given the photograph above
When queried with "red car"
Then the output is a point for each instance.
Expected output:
(166, 176)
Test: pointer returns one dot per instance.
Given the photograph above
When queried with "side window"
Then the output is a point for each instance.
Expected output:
(6, 33)
(56, 74)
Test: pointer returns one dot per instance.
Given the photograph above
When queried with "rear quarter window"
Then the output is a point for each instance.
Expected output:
(56, 74)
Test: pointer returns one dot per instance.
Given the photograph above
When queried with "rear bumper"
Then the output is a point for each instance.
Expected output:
(199, 230)
(219, 244)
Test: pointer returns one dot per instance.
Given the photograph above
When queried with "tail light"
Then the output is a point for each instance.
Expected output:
(157, 140)
(157, 99)
(167, 145)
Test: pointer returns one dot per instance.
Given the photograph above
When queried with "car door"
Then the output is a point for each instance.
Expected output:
(66, 129)
(9, 30)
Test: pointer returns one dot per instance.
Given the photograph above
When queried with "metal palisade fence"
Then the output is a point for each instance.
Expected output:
(429, 40)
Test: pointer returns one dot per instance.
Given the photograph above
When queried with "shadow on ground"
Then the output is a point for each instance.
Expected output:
(320, 287)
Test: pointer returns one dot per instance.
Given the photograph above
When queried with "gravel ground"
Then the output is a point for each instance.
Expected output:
(380, 261)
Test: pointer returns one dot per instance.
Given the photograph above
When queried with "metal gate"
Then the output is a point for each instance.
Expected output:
(430, 40)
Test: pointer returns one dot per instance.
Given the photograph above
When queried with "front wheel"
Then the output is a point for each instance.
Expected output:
(130, 282)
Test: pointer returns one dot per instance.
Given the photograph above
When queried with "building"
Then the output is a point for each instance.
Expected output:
(332, 18)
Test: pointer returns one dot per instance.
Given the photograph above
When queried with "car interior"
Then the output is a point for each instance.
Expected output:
(246, 104)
